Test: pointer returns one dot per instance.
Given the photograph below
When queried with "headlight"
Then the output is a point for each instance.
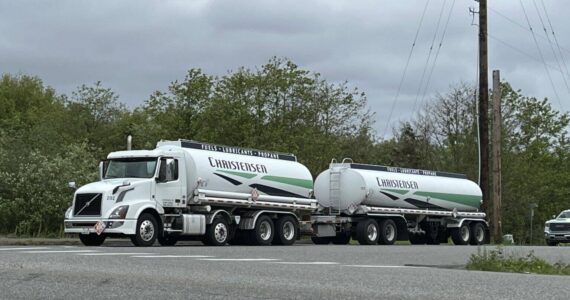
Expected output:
(68, 213)
(119, 212)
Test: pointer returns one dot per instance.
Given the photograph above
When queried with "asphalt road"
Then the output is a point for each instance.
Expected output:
(248, 272)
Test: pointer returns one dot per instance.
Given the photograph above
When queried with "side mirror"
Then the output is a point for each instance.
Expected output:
(71, 185)
(554, 216)
(101, 170)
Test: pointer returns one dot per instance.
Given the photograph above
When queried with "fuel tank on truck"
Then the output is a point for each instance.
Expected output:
(345, 186)
(240, 170)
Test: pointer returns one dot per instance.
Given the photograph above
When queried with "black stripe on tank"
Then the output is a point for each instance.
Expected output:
(390, 196)
(274, 191)
(423, 204)
(233, 181)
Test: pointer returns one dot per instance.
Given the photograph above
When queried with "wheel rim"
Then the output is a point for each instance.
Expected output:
(220, 232)
(464, 233)
(480, 234)
(146, 230)
(372, 232)
(389, 232)
(288, 230)
(265, 230)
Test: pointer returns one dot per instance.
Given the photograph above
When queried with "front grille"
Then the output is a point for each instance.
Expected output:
(559, 226)
(87, 205)
(87, 224)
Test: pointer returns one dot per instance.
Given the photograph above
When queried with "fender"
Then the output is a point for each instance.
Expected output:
(141, 206)
(210, 217)
(249, 220)
(459, 223)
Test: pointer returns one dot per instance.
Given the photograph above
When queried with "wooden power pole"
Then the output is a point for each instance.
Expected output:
(483, 105)
(496, 162)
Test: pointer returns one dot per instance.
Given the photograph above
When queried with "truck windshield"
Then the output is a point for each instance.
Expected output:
(139, 167)
(564, 215)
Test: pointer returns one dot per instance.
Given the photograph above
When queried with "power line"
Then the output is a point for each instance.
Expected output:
(522, 52)
(437, 53)
(541, 56)
(550, 43)
(405, 70)
(555, 39)
(429, 56)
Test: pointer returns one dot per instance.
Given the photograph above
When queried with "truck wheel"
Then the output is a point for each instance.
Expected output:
(240, 238)
(92, 239)
(477, 234)
(367, 232)
(417, 238)
(217, 233)
(551, 243)
(285, 231)
(341, 238)
(263, 232)
(167, 240)
(320, 240)
(388, 232)
(147, 231)
(461, 235)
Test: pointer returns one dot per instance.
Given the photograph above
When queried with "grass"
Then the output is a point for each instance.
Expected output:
(497, 261)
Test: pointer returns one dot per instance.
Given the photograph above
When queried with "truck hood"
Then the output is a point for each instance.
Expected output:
(558, 221)
(108, 185)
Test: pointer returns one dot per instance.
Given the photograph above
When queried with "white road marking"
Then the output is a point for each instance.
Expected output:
(306, 263)
(23, 248)
(171, 256)
(381, 266)
(113, 253)
(60, 251)
(239, 259)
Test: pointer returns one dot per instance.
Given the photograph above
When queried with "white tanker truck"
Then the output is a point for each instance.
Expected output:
(219, 194)
(191, 190)
(379, 204)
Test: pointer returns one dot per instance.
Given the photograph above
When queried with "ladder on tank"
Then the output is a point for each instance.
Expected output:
(334, 182)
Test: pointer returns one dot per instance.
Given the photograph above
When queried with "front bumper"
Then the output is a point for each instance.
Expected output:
(557, 236)
(112, 226)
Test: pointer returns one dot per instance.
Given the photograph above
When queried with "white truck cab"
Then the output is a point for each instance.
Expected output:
(557, 230)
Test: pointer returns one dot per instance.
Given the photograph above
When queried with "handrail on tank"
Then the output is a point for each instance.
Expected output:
(333, 161)
(346, 159)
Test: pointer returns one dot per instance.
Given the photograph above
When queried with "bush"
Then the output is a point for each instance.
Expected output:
(497, 261)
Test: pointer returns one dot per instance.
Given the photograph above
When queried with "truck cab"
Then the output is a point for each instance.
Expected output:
(557, 230)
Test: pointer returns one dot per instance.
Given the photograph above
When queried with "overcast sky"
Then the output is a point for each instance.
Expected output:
(137, 47)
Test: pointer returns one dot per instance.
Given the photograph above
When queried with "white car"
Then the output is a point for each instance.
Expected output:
(557, 230)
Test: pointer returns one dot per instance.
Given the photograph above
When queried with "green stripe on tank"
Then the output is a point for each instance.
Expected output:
(241, 174)
(469, 200)
(401, 192)
(290, 181)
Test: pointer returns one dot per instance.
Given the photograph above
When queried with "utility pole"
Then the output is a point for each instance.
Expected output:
(483, 105)
(496, 163)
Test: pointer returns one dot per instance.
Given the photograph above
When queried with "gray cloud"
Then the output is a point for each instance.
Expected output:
(136, 48)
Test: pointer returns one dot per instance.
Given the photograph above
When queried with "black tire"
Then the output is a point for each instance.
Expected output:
(264, 231)
(240, 237)
(321, 240)
(341, 238)
(167, 240)
(417, 238)
(217, 233)
(478, 234)
(461, 236)
(388, 232)
(367, 232)
(92, 239)
(146, 231)
(286, 231)
(551, 243)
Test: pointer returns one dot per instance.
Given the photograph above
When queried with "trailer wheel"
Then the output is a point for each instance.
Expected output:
(147, 231)
(318, 240)
(477, 234)
(461, 235)
(92, 239)
(167, 240)
(217, 233)
(286, 230)
(341, 238)
(417, 238)
(432, 233)
(367, 232)
(263, 232)
(240, 238)
(388, 232)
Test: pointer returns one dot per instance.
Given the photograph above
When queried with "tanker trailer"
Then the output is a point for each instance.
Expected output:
(191, 190)
(379, 204)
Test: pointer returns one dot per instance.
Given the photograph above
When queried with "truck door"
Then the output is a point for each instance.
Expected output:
(168, 183)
